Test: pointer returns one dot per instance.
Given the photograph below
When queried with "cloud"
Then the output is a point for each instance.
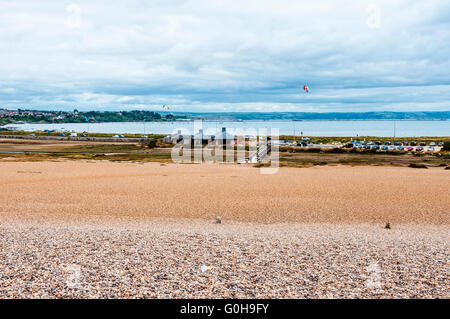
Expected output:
(226, 55)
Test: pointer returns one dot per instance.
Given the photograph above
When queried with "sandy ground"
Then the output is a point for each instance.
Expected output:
(110, 230)
(129, 191)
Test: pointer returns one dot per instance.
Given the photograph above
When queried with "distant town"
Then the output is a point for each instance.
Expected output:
(33, 116)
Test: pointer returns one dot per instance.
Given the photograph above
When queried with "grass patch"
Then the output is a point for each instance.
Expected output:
(100, 148)
(262, 165)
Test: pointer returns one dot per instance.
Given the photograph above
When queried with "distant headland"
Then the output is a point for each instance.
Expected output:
(8, 116)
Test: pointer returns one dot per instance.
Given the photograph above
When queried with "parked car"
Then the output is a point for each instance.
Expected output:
(384, 147)
(392, 147)
(116, 136)
(405, 143)
(369, 143)
(378, 142)
(367, 147)
(83, 135)
(430, 149)
(388, 143)
(432, 144)
(349, 145)
(419, 149)
(400, 148)
(144, 136)
(32, 134)
(441, 144)
(376, 147)
(397, 143)
(409, 148)
(121, 136)
(413, 143)
(62, 134)
(423, 143)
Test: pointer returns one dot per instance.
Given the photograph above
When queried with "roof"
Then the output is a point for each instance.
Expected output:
(221, 135)
(201, 136)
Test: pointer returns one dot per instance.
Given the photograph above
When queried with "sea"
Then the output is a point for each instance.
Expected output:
(353, 128)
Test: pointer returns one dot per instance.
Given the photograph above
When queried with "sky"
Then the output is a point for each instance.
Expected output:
(225, 55)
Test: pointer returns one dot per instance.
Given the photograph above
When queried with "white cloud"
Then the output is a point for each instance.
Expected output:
(233, 55)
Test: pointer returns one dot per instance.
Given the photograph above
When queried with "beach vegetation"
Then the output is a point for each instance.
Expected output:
(446, 146)
(416, 165)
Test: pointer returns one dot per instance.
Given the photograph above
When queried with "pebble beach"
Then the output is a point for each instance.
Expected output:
(127, 230)
(198, 259)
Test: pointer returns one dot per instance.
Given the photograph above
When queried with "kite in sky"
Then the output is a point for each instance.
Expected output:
(306, 88)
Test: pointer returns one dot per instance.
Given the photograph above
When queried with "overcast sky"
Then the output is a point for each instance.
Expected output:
(226, 55)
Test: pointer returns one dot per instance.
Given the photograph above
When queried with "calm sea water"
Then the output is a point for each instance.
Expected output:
(308, 128)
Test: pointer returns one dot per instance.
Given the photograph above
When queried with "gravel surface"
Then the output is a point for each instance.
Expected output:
(201, 259)
(126, 230)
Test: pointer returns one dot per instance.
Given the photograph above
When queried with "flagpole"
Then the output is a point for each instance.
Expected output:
(294, 129)
(87, 120)
(394, 129)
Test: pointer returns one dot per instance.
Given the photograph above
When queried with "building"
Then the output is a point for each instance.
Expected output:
(224, 138)
(220, 138)
(202, 139)
(174, 138)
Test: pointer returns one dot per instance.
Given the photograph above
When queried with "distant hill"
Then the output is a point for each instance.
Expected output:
(443, 115)
(34, 116)
(37, 116)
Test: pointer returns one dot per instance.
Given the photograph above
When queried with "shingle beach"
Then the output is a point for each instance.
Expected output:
(126, 230)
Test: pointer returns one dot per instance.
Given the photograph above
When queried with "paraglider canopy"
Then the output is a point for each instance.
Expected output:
(165, 106)
(306, 88)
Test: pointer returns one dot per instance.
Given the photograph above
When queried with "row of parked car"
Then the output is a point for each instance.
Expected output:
(84, 135)
(399, 148)
(389, 146)
(62, 135)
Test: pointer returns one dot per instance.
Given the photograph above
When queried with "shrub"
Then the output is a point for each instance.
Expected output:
(262, 165)
(415, 165)
(336, 150)
(446, 146)
(151, 143)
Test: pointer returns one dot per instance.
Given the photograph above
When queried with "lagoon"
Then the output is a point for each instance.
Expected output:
(387, 128)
